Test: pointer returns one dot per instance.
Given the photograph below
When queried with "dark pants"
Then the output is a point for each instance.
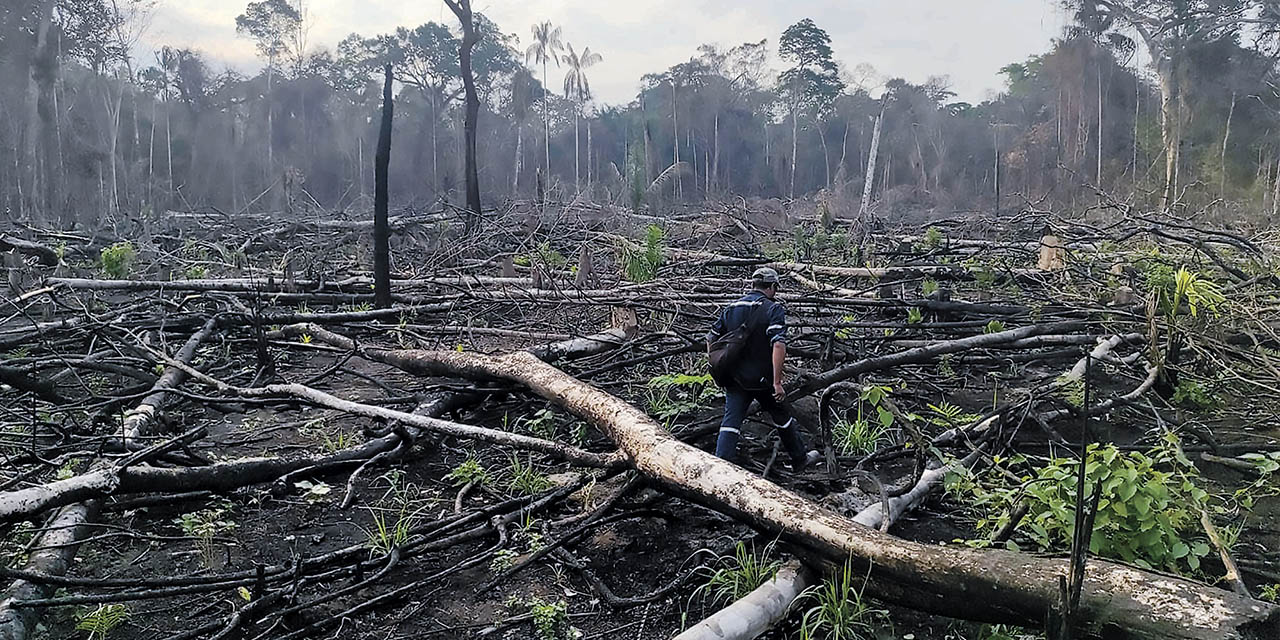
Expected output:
(736, 402)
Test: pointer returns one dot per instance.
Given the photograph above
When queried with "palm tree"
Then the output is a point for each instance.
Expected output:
(577, 88)
(546, 43)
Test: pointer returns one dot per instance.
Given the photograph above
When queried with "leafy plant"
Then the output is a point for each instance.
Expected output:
(503, 559)
(1193, 395)
(525, 479)
(928, 287)
(1071, 390)
(469, 471)
(862, 434)
(946, 414)
(549, 257)
(933, 239)
(643, 265)
(551, 620)
(673, 395)
(985, 277)
(1269, 592)
(1148, 512)
(915, 315)
(734, 576)
(995, 326)
(387, 534)
(839, 611)
(338, 441)
(117, 260)
(102, 620)
(542, 424)
(858, 436)
(195, 272)
(313, 491)
(205, 525)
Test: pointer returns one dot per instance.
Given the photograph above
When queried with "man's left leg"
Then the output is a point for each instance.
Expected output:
(788, 429)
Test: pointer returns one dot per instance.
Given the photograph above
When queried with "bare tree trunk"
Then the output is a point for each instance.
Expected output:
(1098, 181)
(1226, 136)
(577, 164)
(869, 181)
(675, 127)
(1168, 128)
(1275, 196)
(546, 119)
(381, 235)
(515, 174)
(795, 145)
(462, 9)
(715, 163)
(826, 155)
(589, 162)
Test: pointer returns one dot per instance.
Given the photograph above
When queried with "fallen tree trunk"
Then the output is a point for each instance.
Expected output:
(47, 257)
(926, 353)
(754, 614)
(58, 546)
(988, 585)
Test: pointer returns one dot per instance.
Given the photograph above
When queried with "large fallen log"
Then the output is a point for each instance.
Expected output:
(987, 585)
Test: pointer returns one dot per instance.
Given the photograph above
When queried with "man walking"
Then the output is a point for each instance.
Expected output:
(753, 368)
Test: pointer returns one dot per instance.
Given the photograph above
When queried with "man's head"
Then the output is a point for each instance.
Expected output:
(765, 280)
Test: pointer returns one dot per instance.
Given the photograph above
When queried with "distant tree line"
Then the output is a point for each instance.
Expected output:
(92, 135)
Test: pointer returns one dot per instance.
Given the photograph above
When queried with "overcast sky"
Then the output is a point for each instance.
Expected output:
(967, 40)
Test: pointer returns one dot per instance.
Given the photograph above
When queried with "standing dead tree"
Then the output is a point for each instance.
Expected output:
(462, 9)
(381, 235)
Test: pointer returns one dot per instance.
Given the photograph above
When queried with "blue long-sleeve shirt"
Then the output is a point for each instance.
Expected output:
(771, 328)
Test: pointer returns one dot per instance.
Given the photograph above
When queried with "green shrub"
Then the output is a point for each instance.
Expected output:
(643, 265)
(117, 260)
(1148, 513)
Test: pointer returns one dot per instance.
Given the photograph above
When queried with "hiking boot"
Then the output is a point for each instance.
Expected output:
(798, 467)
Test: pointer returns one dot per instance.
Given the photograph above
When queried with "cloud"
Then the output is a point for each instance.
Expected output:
(967, 41)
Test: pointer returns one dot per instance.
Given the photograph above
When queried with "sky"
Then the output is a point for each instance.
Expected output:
(966, 40)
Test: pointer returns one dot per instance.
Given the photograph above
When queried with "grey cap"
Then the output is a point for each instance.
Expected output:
(765, 275)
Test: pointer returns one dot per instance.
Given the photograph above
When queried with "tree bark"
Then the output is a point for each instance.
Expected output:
(381, 234)
(462, 9)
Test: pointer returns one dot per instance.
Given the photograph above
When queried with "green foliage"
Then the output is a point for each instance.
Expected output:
(946, 414)
(103, 620)
(915, 315)
(117, 260)
(858, 436)
(550, 257)
(1148, 513)
(674, 395)
(933, 239)
(862, 434)
(947, 366)
(1269, 592)
(730, 578)
(928, 287)
(469, 471)
(551, 620)
(195, 272)
(387, 533)
(643, 265)
(839, 611)
(1193, 395)
(985, 277)
(205, 525)
(995, 326)
(525, 478)
(1071, 390)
